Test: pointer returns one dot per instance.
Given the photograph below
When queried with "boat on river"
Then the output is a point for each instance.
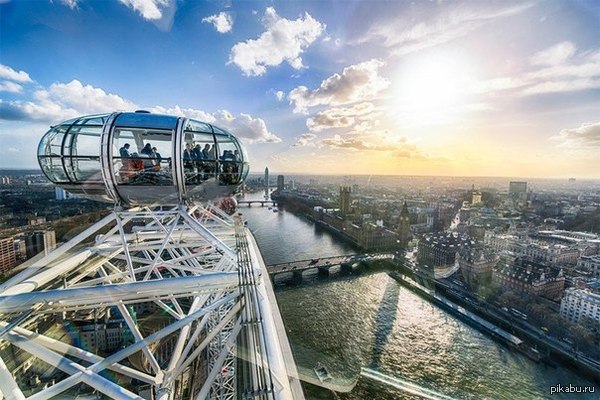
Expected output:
(322, 373)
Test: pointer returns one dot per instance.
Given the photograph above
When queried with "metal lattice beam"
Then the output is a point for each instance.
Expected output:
(182, 285)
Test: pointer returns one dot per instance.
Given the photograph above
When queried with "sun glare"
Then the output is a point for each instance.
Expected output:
(432, 90)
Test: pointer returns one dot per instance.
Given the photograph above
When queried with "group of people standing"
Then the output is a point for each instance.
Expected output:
(148, 150)
(199, 163)
(134, 163)
(197, 153)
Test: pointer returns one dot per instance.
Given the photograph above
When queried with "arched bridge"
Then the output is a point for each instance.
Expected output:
(324, 264)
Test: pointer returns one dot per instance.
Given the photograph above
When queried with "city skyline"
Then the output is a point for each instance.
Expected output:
(427, 89)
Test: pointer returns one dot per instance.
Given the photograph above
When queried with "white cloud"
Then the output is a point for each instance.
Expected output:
(160, 12)
(64, 100)
(7, 72)
(560, 68)
(243, 126)
(42, 110)
(280, 95)
(561, 86)
(184, 112)
(375, 141)
(354, 142)
(359, 109)
(342, 117)
(72, 4)
(283, 40)
(498, 84)
(85, 99)
(563, 70)
(222, 22)
(304, 140)
(149, 9)
(452, 24)
(246, 127)
(586, 137)
(555, 55)
(356, 83)
(326, 121)
(12, 87)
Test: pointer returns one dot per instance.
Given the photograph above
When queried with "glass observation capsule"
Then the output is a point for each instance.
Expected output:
(139, 158)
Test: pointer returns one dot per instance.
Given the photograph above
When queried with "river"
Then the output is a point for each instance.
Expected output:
(369, 321)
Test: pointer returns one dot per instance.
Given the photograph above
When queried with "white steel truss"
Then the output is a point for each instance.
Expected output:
(156, 303)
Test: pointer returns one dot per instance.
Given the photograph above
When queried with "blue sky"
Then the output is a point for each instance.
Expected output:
(493, 88)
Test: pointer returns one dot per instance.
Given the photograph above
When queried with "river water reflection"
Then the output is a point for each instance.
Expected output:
(370, 321)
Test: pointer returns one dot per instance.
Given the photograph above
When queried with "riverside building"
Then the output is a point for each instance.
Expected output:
(578, 305)
(591, 264)
(440, 249)
(526, 276)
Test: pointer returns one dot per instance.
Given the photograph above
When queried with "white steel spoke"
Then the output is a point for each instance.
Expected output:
(8, 385)
(126, 250)
(219, 362)
(72, 368)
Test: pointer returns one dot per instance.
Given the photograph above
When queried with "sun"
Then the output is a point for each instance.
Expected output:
(432, 89)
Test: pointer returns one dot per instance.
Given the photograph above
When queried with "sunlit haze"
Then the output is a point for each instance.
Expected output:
(486, 88)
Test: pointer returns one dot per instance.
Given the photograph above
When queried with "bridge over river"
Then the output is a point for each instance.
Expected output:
(347, 262)
(261, 202)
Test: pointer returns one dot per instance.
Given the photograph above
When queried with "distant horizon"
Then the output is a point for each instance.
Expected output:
(274, 173)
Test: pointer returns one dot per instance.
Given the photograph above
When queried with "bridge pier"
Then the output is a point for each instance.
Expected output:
(297, 277)
(324, 271)
(346, 267)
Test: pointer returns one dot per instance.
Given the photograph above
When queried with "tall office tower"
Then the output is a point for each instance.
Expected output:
(404, 226)
(517, 188)
(345, 199)
(280, 182)
(40, 241)
(62, 194)
(20, 249)
(266, 182)
(49, 241)
(8, 259)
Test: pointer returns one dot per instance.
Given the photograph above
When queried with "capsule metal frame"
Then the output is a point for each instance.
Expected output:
(84, 156)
